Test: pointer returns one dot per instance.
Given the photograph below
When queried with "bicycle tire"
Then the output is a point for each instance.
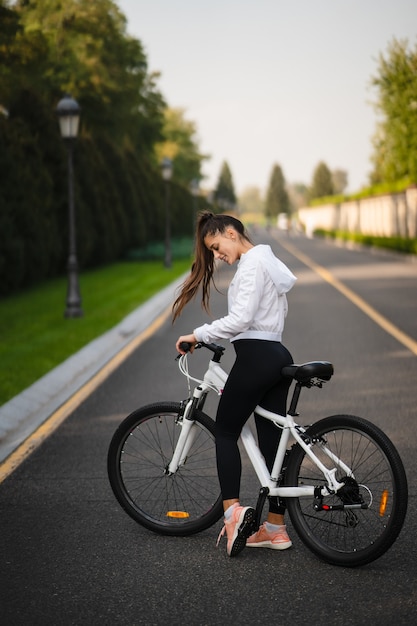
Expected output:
(180, 504)
(354, 537)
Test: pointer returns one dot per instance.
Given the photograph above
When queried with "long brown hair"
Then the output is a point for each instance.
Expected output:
(203, 267)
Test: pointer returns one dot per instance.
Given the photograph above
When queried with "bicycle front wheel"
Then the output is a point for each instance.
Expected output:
(362, 520)
(180, 504)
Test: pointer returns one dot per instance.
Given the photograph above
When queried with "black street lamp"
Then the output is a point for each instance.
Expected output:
(195, 191)
(68, 112)
(166, 166)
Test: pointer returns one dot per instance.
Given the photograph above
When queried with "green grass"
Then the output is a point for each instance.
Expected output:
(35, 336)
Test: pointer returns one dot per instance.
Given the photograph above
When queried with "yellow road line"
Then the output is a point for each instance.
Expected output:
(52, 423)
(379, 319)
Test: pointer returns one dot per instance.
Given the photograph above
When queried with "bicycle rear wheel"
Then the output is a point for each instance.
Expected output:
(180, 504)
(349, 536)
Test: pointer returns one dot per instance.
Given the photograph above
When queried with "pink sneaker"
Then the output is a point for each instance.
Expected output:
(278, 540)
(238, 529)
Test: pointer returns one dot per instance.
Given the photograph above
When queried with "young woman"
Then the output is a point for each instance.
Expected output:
(257, 307)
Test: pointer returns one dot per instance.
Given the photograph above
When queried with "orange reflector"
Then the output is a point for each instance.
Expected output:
(178, 514)
(383, 502)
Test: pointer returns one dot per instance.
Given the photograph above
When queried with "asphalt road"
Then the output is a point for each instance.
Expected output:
(71, 556)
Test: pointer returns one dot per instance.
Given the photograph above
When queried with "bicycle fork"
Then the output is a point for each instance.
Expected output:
(185, 440)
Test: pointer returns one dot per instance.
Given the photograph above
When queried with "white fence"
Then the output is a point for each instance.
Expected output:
(382, 216)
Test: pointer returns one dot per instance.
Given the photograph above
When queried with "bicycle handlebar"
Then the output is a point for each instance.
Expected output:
(184, 345)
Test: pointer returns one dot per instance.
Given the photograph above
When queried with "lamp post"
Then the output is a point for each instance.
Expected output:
(68, 112)
(166, 166)
(195, 190)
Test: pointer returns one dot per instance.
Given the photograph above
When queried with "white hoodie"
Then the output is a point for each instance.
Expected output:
(256, 300)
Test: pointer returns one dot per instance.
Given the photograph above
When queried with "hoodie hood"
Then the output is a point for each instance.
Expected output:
(281, 276)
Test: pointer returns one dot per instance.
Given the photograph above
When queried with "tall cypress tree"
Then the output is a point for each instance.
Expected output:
(395, 140)
(322, 183)
(224, 194)
(277, 199)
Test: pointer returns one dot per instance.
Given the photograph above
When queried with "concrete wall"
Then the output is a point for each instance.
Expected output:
(385, 216)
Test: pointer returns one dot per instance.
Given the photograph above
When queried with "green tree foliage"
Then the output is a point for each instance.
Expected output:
(224, 193)
(47, 48)
(10, 57)
(90, 56)
(395, 141)
(181, 146)
(322, 182)
(339, 180)
(277, 199)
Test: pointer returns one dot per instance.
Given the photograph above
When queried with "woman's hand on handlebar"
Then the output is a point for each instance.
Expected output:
(190, 339)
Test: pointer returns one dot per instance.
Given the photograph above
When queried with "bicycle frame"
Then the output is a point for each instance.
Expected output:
(215, 379)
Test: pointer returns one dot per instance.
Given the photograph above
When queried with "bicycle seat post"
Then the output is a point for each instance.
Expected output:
(294, 400)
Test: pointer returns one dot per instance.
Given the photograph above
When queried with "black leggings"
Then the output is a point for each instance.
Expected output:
(255, 378)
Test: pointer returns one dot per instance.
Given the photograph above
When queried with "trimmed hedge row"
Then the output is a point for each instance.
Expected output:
(368, 192)
(398, 244)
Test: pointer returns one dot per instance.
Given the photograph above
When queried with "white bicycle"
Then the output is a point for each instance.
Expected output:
(342, 478)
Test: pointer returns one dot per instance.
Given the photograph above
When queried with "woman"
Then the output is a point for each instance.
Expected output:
(257, 307)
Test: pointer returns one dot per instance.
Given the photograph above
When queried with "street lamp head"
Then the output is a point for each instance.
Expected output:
(68, 111)
(166, 166)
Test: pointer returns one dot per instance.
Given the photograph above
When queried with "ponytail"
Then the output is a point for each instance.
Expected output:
(203, 267)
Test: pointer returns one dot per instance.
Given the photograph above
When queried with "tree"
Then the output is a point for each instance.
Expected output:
(9, 27)
(339, 180)
(22, 57)
(181, 146)
(82, 48)
(277, 199)
(322, 183)
(224, 194)
(395, 140)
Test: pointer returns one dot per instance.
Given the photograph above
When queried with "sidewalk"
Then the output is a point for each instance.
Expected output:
(24, 413)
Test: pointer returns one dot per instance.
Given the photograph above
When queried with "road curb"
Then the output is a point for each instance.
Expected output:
(23, 414)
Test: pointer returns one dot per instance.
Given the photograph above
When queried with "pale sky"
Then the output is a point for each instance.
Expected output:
(273, 81)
